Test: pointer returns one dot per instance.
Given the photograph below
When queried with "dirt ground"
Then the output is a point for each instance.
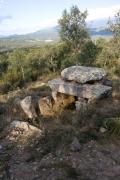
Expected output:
(48, 156)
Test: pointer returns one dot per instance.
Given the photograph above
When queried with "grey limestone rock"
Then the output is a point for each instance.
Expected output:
(23, 126)
(88, 91)
(82, 74)
(27, 105)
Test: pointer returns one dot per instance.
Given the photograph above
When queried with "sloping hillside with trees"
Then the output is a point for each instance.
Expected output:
(71, 145)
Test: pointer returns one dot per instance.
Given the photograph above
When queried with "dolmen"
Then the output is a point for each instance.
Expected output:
(86, 84)
(77, 87)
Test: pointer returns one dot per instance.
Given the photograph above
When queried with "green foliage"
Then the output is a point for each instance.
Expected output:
(3, 63)
(73, 29)
(89, 53)
(113, 126)
(114, 25)
(22, 65)
(109, 57)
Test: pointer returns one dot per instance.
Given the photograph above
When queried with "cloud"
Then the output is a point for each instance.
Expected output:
(2, 18)
(100, 13)
(2, 3)
(93, 14)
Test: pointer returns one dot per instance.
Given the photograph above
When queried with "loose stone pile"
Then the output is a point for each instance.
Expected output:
(87, 84)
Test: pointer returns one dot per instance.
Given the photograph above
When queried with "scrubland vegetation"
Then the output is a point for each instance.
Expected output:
(26, 65)
(22, 65)
(25, 155)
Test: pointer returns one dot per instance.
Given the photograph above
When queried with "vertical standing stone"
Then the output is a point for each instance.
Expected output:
(28, 107)
(54, 95)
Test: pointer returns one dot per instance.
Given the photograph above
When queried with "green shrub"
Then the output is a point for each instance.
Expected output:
(113, 126)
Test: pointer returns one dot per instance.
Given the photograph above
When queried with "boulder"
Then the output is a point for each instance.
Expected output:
(27, 105)
(64, 100)
(23, 126)
(83, 74)
(46, 106)
(87, 91)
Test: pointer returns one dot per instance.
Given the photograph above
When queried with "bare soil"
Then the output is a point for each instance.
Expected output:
(26, 156)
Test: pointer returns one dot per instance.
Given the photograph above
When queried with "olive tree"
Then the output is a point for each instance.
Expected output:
(114, 25)
(73, 28)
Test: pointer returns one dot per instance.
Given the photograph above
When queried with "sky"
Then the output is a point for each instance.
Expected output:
(24, 16)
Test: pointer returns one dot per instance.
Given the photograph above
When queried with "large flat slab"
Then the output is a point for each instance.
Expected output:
(82, 74)
(89, 91)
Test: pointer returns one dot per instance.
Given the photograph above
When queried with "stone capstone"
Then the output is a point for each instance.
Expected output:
(87, 91)
(83, 74)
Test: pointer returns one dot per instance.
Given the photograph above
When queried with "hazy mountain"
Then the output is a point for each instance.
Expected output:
(41, 35)
(96, 28)
(98, 23)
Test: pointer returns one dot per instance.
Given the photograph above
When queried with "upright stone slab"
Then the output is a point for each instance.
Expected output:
(82, 74)
(28, 107)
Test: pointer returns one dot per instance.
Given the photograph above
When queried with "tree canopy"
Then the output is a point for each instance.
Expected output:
(73, 28)
(114, 25)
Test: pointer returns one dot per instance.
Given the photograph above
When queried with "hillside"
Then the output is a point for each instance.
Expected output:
(68, 146)
(60, 103)
(51, 34)
(96, 28)
(48, 35)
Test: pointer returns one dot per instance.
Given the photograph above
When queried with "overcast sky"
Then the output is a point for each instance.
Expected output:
(23, 16)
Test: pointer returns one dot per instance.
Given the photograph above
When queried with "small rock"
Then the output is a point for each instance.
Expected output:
(46, 106)
(28, 107)
(17, 101)
(103, 130)
(23, 126)
(75, 145)
(81, 105)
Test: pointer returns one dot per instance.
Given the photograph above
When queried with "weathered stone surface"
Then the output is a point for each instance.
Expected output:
(81, 105)
(64, 100)
(28, 107)
(103, 130)
(107, 82)
(83, 74)
(46, 106)
(75, 145)
(88, 91)
(23, 126)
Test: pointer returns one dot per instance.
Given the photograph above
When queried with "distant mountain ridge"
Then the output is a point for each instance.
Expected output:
(52, 34)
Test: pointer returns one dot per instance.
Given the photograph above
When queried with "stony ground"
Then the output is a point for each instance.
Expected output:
(69, 147)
